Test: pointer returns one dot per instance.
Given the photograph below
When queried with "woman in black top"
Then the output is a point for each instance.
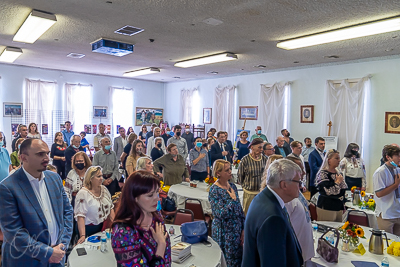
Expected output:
(57, 154)
(331, 187)
(142, 133)
(157, 152)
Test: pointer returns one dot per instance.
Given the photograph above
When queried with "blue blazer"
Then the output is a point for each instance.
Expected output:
(27, 241)
(315, 162)
(269, 239)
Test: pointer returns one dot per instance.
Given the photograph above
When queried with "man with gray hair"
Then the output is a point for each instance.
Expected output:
(269, 236)
(75, 147)
(97, 138)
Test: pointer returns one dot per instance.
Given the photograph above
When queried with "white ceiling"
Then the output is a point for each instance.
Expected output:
(250, 29)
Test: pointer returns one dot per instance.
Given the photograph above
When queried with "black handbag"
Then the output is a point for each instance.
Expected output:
(168, 204)
(194, 232)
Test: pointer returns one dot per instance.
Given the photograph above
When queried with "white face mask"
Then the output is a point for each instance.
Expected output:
(187, 130)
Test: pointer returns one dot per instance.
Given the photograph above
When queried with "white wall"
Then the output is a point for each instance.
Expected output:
(308, 89)
(146, 93)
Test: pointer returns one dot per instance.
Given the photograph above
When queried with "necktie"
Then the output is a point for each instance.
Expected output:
(222, 149)
(292, 230)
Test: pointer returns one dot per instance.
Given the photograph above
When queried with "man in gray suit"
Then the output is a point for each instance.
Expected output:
(120, 142)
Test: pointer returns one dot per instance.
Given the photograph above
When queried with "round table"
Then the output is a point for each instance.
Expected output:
(202, 255)
(373, 222)
(180, 192)
(345, 258)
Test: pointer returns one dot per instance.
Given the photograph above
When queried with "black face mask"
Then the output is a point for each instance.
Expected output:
(159, 145)
(355, 153)
(80, 166)
(204, 145)
(178, 133)
(308, 145)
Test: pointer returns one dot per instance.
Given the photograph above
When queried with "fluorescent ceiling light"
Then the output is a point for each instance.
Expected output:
(10, 54)
(367, 29)
(35, 25)
(206, 60)
(141, 72)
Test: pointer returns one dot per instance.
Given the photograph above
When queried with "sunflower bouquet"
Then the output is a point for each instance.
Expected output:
(163, 187)
(236, 163)
(211, 180)
(394, 249)
(369, 205)
(351, 232)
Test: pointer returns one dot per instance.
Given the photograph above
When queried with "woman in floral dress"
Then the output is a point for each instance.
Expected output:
(139, 237)
(228, 222)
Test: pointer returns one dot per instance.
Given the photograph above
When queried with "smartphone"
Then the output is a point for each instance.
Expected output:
(81, 251)
(206, 243)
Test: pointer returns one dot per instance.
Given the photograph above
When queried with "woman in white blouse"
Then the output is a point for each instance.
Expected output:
(33, 131)
(93, 204)
(74, 181)
(353, 168)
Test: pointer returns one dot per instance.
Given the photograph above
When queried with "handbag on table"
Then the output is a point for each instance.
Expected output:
(327, 251)
(194, 232)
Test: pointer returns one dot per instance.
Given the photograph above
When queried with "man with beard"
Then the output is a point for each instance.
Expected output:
(307, 149)
(286, 137)
(179, 142)
(315, 160)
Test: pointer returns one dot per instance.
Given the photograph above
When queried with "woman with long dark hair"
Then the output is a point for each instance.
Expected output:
(353, 168)
(134, 155)
(139, 235)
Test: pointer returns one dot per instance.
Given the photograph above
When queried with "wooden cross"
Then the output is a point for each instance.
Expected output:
(330, 125)
(244, 124)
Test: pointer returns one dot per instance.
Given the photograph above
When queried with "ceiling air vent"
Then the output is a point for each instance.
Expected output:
(129, 30)
(75, 55)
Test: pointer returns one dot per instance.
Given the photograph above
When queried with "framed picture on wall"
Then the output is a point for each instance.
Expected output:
(45, 129)
(207, 115)
(100, 112)
(14, 129)
(88, 128)
(248, 112)
(392, 122)
(307, 114)
(148, 116)
(12, 109)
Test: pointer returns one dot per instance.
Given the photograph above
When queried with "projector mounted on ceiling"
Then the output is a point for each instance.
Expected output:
(113, 48)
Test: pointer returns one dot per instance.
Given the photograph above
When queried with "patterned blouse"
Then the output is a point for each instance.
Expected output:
(135, 247)
(331, 194)
(250, 172)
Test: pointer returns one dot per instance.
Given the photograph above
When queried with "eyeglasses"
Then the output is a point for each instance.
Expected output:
(299, 182)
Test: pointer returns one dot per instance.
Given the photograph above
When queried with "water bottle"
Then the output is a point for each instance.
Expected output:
(385, 262)
(315, 229)
(330, 239)
(103, 247)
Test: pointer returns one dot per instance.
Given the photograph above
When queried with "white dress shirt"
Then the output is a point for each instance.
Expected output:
(42, 195)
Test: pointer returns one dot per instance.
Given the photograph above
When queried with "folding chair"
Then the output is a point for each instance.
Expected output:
(183, 216)
(358, 217)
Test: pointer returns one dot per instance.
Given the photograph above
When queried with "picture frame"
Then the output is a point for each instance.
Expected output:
(148, 116)
(94, 129)
(100, 112)
(307, 114)
(207, 115)
(392, 122)
(87, 128)
(248, 112)
(45, 129)
(14, 129)
(12, 109)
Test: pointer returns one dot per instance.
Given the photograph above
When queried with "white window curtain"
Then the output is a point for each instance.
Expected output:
(39, 102)
(344, 106)
(225, 109)
(79, 106)
(188, 106)
(121, 108)
(273, 109)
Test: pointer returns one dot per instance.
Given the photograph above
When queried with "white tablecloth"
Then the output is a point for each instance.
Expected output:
(180, 192)
(373, 222)
(202, 255)
(345, 258)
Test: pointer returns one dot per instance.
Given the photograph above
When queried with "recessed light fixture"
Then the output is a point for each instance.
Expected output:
(135, 73)
(351, 32)
(35, 25)
(75, 55)
(206, 60)
(10, 54)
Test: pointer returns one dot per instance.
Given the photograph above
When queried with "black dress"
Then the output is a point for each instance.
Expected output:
(156, 153)
(59, 151)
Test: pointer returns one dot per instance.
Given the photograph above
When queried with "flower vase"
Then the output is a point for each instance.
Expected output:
(208, 188)
(345, 245)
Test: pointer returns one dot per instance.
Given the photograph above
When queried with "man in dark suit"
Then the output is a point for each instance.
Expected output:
(315, 160)
(280, 149)
(269, 238)
(71, 151)
(220, 149)
(36, 217)
(230, 147)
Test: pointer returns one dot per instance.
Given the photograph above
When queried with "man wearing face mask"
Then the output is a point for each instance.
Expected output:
(179, 142)
(107, 160)
(71, 151)
(189, 137)
(258, 134)
(166, 135)
(151, 142)
(199, 162)
(386, 188)
(315, 160)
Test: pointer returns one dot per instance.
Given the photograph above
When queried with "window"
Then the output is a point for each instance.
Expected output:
(122, 108)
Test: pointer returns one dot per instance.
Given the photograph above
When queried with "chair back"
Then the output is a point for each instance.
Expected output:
(195, 206)
(313, 211)
(358, 217)
(183, 216)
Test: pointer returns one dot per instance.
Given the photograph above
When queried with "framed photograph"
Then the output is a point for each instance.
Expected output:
(12, 109)
(45, 129)
(88, 128)
(392, 122)
(94, 129)
(248, 112)
(207, 115)
(307, 114)
(108, 129)
(14, 128)
(148, 116)
(100, 112)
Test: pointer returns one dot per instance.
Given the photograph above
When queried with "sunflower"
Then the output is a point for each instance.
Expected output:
(360, 232)
(363, 193)
(161, 184)
(206, 180)
(345, 225)
(353, 188)
(371, 201)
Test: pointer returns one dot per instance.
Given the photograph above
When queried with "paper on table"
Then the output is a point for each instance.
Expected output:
(364, 264)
